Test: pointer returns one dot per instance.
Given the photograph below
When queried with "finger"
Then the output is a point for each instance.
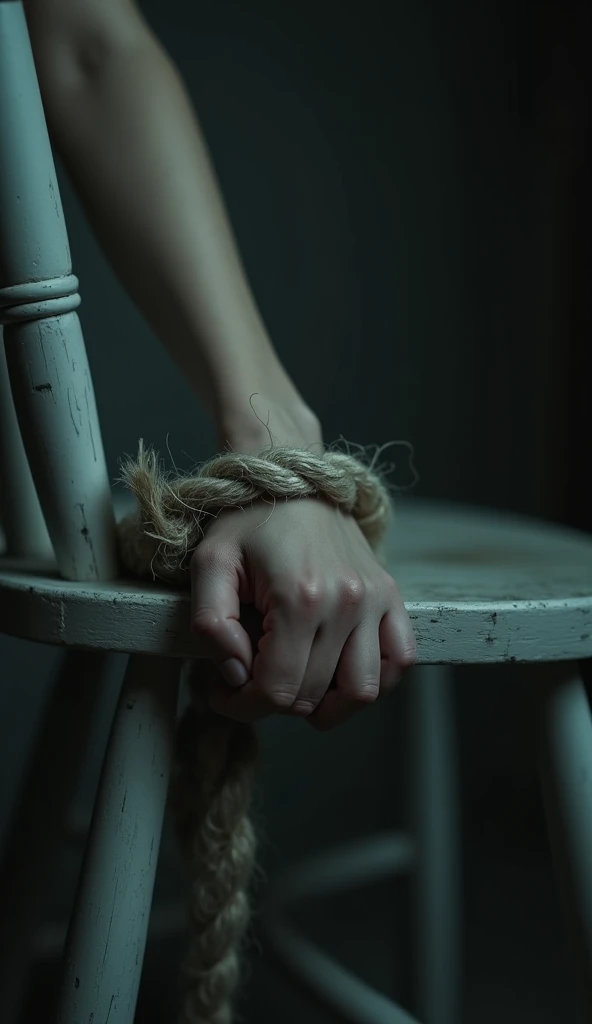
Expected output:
(357, 679)
(278, 667)
(397, 647)
(328, 645)
(320, 670)
(215, 611)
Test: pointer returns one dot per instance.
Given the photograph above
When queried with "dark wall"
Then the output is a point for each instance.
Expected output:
(392, 188)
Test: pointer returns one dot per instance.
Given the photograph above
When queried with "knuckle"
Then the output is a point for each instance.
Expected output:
(298, 596)
(364, 692)
(281, 700)
(205, 622)
(308, 594)
(408, 655)
(367, 694)
(303, 707)
(352, 591)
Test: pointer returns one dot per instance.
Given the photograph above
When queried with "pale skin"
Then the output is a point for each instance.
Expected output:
(334, 631)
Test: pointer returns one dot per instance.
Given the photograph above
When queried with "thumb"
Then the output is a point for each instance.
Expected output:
(215, 613)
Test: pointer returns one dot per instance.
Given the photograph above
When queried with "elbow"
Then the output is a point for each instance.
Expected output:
(73, 42)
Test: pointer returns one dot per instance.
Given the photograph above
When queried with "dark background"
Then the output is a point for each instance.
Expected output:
(409, 185)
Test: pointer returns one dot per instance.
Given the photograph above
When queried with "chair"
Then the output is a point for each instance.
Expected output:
(54, 400)
(478, 588)
(481, 587)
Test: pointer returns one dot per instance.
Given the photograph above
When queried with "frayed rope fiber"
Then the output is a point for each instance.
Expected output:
(215, 756)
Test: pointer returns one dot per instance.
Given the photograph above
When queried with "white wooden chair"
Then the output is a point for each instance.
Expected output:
(55, 405)
(479, 588)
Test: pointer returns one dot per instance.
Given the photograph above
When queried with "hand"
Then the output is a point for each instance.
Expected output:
(334, 630)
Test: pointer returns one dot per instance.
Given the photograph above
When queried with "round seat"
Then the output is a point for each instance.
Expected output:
(480, 586)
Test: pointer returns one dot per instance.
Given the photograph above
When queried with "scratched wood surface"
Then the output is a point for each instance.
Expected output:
(480, 586)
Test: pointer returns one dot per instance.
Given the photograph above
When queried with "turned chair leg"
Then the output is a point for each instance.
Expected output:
(564, 735)
(107, 934)
(436, 882)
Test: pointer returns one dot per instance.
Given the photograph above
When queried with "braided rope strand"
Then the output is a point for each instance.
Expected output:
(172, 516)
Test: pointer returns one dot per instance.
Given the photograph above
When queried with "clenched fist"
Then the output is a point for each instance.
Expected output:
(334, 632)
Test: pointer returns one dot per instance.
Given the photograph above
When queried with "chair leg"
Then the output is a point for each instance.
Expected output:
(564, 735)
(35, 833)
(107, 935)
(437, 886)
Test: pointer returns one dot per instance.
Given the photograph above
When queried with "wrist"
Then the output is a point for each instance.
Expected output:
(271, 414)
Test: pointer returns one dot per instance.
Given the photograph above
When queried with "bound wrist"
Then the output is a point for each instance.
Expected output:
(267, 417)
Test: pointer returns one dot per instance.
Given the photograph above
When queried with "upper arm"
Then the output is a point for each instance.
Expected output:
(86, 29)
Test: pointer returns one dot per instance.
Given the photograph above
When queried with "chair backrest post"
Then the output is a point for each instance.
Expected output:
(45, 352)
(21, 518)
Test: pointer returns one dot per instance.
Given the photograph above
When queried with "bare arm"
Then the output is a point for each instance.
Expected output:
(121, 120)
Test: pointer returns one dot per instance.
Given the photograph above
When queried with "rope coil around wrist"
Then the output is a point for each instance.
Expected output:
(216, 756)
(172, 516)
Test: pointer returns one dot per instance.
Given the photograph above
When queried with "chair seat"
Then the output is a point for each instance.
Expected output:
(480, 586)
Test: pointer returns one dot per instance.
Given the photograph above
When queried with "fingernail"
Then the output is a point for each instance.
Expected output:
(234, 672)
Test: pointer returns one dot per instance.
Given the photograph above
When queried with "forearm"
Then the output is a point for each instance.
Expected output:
(134, 149)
